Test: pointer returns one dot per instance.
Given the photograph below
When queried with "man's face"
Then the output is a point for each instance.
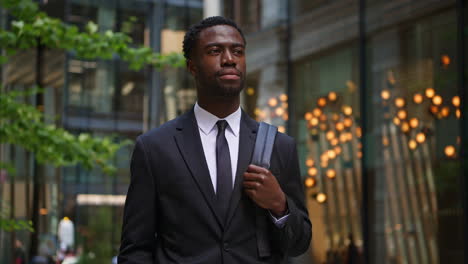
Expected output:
(218, 62)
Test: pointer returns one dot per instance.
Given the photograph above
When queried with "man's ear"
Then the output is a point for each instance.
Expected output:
(191, 67)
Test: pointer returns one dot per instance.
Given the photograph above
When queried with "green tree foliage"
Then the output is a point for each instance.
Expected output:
(23, 125)
(32, 27)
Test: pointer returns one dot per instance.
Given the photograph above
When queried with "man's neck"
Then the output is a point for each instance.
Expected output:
(220, 106)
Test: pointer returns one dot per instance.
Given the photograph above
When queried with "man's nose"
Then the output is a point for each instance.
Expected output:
(228, 59)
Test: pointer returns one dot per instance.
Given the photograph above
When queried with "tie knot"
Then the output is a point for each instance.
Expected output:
(222, 124)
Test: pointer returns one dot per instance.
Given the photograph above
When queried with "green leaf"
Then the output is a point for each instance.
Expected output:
(91, 27)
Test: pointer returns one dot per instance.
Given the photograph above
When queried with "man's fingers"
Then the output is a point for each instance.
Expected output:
(257, 169)
(251, 185)
(254, 177)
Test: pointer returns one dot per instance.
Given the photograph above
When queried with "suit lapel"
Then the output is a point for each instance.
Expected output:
(247, 133)
(189, 143)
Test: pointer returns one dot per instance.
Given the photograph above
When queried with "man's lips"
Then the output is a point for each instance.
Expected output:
(230, 74)
(229, 77)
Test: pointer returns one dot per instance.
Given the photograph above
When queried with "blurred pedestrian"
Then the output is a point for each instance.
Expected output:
(70, 257)
(20, 255)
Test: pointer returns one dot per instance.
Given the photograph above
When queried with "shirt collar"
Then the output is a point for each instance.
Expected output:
(206, 121)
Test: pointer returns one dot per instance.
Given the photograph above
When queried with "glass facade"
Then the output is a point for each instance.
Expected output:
(103, 98)
(373, 92)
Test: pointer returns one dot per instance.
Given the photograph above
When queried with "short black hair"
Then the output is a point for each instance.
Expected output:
(193, 32)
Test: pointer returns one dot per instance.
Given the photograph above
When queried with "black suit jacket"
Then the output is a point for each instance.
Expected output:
(170, 214)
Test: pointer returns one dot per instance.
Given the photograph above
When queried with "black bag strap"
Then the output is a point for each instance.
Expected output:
(264, 145)
(261, 157)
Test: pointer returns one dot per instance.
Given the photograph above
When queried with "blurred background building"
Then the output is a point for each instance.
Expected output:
(360, 84)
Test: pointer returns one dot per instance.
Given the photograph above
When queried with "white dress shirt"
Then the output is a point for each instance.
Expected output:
(209, 130)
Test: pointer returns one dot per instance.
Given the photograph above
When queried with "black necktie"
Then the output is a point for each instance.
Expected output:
(223, 169)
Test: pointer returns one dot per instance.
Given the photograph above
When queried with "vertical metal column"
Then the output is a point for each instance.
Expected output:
(155, 89)
(289, 74)
(364, 126)
(462, 91)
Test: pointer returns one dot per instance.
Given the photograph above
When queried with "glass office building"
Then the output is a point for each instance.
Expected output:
(100, 97)
(373, 91)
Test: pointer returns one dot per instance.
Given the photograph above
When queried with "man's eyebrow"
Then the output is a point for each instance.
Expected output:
(214, 44)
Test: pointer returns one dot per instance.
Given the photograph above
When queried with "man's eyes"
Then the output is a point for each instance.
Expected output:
(239, 51)
(215, 51)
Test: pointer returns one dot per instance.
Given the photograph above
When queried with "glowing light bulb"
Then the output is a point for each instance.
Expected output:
(279, 111)
(437, 100)
(418, 98)
(385, 94)
(310, 162)
(321, 197)
(283, 97)
(434, 109)
(396, 121)
(358, 132)
(402, 114)
(456, 101)
(458, 113)
(334, 142)
(414, 122)
(250, 91)
(331, 154)
(420, 137)
(400, 102)
(322, 102)
(338, 150)
(347, 110)
(312, 171)
(445, 60)
(405, 127)
(324, 157)
(339, 126)
(282, 129)
(317, 112)
(445, 111)
(331, 173)
(272, 102)
(343, 138)
(332, 96)
(330, 135)
(323, 127)
(430, 92)
(449, 151)
(308, 116)
(314, 121)
(348, 122)
(309, 182)
(412, 144)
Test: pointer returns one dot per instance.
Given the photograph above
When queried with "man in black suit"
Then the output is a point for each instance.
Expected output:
(193, 196)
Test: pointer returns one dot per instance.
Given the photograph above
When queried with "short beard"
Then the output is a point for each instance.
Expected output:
(229, 91)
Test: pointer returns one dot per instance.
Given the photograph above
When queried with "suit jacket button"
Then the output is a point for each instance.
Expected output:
(226, 247)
